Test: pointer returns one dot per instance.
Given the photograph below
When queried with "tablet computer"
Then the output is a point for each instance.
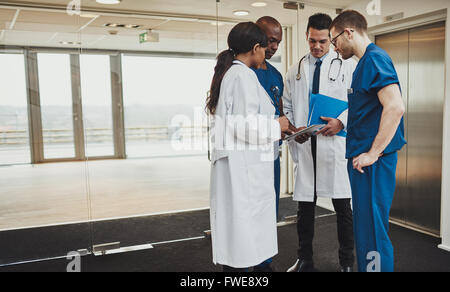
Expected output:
(310, 130)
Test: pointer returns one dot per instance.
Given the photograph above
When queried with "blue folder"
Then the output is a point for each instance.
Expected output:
(325, 106)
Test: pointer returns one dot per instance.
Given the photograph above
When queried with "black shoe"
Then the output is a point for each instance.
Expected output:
(346, 269)
(264, 269)
(302, 266)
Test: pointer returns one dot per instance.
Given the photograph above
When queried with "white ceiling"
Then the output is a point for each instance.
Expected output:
(192, 7)
(28, 23)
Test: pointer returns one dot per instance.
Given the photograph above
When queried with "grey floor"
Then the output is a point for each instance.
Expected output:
(61, 193)
(414, 252)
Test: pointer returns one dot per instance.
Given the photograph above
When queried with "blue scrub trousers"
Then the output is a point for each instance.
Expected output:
(277, 182)
(373, 193)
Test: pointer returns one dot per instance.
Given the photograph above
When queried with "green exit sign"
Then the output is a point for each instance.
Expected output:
(143, 37)
(149, 37)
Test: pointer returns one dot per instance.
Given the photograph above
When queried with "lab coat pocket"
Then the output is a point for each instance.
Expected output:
(255, 157)
(261, 182)
(218, 155)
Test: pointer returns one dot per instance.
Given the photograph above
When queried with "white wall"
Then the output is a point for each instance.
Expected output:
(413, 8)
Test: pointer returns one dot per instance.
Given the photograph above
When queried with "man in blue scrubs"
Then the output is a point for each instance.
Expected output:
(375, 133)
(272, 81)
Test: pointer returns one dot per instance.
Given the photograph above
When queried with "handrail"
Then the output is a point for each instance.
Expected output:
(20, 137)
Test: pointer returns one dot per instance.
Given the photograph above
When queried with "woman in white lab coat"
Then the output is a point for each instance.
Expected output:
(244, 130)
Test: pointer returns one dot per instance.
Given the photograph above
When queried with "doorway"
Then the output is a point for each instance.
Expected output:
(76, 111)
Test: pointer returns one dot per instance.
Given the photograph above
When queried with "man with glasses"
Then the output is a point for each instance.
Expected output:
(320, 161)
(375, 133)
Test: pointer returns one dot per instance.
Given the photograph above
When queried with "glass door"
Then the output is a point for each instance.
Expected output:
(76, 106)
(163, 90)
(57, 112)
(14, 133)
(96, 98)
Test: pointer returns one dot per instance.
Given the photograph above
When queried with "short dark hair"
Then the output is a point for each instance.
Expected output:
(350, 18)
(319, 21)
(267, 20)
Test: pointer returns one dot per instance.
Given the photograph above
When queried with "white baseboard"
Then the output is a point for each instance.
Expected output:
(444, 247)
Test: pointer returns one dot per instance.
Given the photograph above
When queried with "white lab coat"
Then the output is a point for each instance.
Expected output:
(242, 214)
(332, 177)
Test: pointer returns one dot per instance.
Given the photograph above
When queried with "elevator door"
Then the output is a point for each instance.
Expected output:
(419, 57)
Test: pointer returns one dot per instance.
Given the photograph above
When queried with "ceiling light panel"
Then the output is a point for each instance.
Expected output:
(241, 12)
(109, 2)
(259, 4)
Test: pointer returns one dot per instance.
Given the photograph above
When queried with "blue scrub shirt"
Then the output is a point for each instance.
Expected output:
(375, 71)
(271, 79)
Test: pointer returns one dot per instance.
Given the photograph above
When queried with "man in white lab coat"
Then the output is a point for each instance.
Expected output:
(321, 167)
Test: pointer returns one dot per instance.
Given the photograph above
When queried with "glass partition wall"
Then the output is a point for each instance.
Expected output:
(103, 131)
(14, 134)
(44, 206)
(99, 126)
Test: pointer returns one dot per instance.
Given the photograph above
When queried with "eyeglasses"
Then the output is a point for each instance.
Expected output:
(333, 41)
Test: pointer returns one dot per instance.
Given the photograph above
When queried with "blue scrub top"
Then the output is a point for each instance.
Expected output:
(272, 81)
(375, 71)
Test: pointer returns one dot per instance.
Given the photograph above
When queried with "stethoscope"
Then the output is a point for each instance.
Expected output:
(299, 71)
(276, 95)
(277, 101)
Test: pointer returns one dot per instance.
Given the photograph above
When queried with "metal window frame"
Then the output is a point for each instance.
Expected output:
(33, 97)
(35, 131)
(34, 107)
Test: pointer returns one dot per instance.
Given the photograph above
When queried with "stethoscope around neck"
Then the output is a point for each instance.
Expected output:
(330, 77)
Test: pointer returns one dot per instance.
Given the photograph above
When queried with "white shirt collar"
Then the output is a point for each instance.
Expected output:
(313, 59)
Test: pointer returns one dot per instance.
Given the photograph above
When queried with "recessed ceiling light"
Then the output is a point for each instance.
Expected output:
(122, 25)
(259, 4)
(69, 43)
(85, 15)
(108, 1)
(241, 12)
